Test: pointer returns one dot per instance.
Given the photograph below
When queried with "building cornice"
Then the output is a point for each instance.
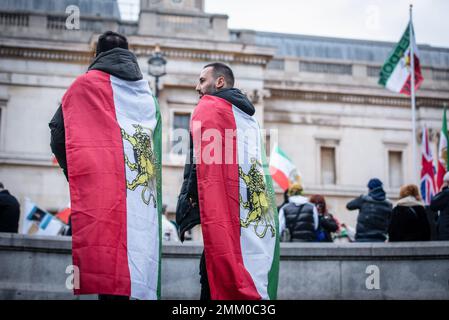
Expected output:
(351, 98)
(85, 56)
(209, 55)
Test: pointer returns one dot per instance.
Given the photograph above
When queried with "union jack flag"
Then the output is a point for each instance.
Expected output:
(428, 186)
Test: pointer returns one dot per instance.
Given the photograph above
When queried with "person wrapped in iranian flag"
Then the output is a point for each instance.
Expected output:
(228, 189)
(107, 138)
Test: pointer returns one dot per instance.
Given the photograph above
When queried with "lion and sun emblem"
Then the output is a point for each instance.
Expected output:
(145, 163)
(258, 202)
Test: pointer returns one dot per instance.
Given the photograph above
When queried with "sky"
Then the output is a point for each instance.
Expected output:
(383, 20)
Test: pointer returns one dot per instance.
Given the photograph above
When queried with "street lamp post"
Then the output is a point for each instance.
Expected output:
(156, 67)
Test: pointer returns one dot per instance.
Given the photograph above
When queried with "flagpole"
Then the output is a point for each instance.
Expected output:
(412, 97)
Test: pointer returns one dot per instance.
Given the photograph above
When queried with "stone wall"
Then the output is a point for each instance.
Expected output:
(35, 268)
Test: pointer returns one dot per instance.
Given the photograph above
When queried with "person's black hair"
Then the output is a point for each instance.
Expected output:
(2, 186)
(222, 70)
(110, 40)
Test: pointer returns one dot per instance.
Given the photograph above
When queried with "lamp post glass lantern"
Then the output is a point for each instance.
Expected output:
(156, 67)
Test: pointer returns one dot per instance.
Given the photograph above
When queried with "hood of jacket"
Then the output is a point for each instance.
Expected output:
(237, 98)
(120, 63)
(409, 201)
(298, 200)
(377, 194)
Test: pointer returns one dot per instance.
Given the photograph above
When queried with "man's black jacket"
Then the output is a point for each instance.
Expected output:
(441, 203)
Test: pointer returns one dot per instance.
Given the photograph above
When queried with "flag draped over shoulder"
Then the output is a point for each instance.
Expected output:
(113, 134)
(428, 186)
(395, 74)
(236, 199)
(443, 152)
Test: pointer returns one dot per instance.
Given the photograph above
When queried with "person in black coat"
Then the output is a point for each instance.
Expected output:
(9, 211)
(298, 219)
(374, 213)
(409, 218)
(440, 203)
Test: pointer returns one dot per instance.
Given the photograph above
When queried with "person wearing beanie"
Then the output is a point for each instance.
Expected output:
(374, 213)
(409, 218)
(298, 219)
(440, 204)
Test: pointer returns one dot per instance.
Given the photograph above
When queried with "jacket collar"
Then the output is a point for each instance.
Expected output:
(409, 201)
(298, 200)
(120, 63)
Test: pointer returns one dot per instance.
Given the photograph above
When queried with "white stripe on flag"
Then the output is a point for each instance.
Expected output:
(400, 74)
(281, 163)
(257, 252)
(134, 104)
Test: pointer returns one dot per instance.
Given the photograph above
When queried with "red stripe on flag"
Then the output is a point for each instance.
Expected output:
(440, 175)
(96, 169)
(218, 191)
(280, 178)
(406, 89)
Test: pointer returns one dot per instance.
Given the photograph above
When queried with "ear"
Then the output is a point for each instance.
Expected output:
(220, 82)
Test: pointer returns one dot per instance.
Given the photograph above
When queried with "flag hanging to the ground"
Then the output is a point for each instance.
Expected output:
(428, 186)
(443, 152)
(282, 169)
(236, 200)
(395, 74)
(113, 147)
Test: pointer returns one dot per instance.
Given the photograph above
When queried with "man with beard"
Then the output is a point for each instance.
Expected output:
(229, 193)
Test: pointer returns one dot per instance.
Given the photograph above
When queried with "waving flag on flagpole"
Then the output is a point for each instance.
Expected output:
(428, 187)
(395, 74)
(402, 73)
(282, 169)
(443, 152)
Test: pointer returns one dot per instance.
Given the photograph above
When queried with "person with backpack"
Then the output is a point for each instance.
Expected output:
(298, 219)
(327, 223)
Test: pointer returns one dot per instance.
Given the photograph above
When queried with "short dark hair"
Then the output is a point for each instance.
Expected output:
(110, 40)
(220, 69)
(2, 186)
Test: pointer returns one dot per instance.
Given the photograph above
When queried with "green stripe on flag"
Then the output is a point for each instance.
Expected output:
(446, 134)
(282, 153)
(157, 143)
(395, 57)
(273, 275)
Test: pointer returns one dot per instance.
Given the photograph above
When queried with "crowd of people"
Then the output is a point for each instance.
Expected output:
(308, 220)
(303, 219)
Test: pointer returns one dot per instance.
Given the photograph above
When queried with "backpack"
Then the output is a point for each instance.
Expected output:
(320, 235)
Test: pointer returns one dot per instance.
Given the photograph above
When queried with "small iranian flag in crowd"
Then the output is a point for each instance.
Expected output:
(395, 74)
(282, 169)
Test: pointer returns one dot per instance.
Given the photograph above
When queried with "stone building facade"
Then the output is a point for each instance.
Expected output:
(317, 97)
